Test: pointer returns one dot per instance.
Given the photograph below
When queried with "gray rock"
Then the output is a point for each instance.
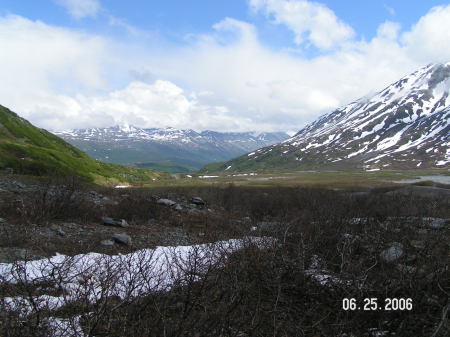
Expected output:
(107, 243)
(435, 223)
(268, 226)
(178, 207)
(58, 230)
(197, 201)
(393, 253)
(166, 202)
(194, 211)
(19, 184)
(71, 225)
(122, 238)
(114, 222)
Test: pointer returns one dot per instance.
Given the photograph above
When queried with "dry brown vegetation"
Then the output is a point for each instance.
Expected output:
(326, 247)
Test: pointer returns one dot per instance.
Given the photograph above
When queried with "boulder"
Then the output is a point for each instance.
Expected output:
(114, 222)
(393, 252)
(107, 243)
(122, 238)
(268, 226)
(197, 201)
(435, 223)
(166, 202)
(178, 207)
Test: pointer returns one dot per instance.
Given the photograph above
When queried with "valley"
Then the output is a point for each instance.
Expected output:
(275, 242)
(196, 254)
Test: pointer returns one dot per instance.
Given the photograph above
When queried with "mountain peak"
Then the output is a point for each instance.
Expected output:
(405, 125)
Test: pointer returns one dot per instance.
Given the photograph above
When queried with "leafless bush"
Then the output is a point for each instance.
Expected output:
(326, 248)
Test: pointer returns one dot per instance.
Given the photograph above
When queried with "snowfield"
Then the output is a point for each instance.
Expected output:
(94, 277)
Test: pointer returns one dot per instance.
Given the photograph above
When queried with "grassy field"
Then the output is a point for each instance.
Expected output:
(325, 179)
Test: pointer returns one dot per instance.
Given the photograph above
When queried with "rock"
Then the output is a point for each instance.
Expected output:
(19, 184)
(71, 225)
(3, 221)
(393, 253)
(418, 244)
(107, 243)
(12, 254)
(58, 230)
(194, 211)
(197, 201)
(151, 222)
(178, 207)
(122, 238)
(435, 223)
(268, 226)
(114, 222)
(166, 202)
(358, 221)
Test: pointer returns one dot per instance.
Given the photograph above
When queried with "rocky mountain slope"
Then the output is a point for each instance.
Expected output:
(26, 149)
(171, 149)
(404, 126)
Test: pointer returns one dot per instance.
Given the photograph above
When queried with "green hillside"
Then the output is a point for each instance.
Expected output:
(30, 150)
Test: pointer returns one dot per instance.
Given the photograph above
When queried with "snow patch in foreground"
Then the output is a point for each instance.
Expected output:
(95, 276)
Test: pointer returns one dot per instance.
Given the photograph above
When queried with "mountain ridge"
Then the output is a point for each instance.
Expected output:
(404, 126)
(187, 148)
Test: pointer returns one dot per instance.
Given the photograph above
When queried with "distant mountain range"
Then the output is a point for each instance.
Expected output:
(167, 149)
(26, 149)
(404, 126)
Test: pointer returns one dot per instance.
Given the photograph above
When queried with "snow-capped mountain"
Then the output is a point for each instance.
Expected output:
(128, 144)
(406, 125)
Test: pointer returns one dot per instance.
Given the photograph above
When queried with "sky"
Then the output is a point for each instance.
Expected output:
(235, 65)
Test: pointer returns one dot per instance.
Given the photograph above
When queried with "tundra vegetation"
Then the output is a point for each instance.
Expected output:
(220, 260)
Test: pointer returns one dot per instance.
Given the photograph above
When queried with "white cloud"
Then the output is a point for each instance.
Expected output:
(224, 80)
(389, 30)
(429, 38)
(80, 9)
(41, 63)
(158, 104)
(391, 11)
(310, 21)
